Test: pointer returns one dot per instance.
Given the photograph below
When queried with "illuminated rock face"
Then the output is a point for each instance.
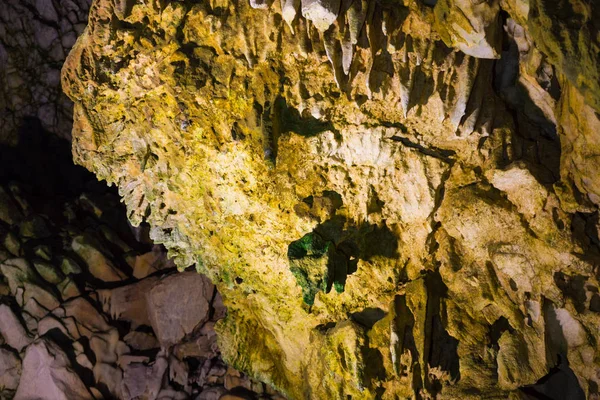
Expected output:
(398, 200)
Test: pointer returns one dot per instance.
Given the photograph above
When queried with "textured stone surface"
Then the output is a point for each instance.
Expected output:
(395, 199)
(47, 375)
(35, 37)
(10, 370)
(12, 331)
(177, 304)
(83, 337)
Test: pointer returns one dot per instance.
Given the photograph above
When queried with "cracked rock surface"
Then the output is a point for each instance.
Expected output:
(90, 308)
(35, 37)
(395, 199)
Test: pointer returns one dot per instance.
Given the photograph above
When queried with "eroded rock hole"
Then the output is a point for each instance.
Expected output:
(323, 259)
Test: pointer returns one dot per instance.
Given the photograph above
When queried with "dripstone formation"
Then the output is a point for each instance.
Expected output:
(87, 303)
(396, 199)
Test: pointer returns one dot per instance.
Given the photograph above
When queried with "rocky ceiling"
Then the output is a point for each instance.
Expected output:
(395, 198)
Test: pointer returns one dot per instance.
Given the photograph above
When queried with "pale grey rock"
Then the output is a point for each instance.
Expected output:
(68, 266)
(219, 309)
(50, 322)
(108, 375)
(213, 393)
(47, 375)
(172, 394)
(203, 346)
(128, 303)
(34, 227)
(141, 340)
(68, 289)
(25, 285)
(178, 371)
(44, 252)
(357, 13)
(82, 318)
(191, 293)
(289, 10)
(12, 244)
(151, 262)
(135, 379)
(144, 380)
(35, 309)
(36, 35)
(12, 330)
(46, 10)
(234, 379)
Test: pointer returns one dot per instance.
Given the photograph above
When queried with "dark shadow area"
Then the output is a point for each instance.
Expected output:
(50, 193)
(44, 162)
(536, 139)
(443, 348)
(496, 330)
(368, 317)
(403, 325)
(584, 231)
(573, 287)
(290, 120)
(65, 343)
(324, 258)
(560, 384)
(278, 118)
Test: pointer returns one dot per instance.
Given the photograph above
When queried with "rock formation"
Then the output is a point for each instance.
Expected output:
(395, 199)
(35, 38)
(89, 307)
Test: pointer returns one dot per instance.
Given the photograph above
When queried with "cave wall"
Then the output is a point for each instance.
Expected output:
(394, 198)
(35, 38)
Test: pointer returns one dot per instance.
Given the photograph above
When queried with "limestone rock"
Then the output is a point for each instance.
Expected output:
(151, 262)
(9, 213)
(212, 394)
(471, 26)
(36, 36)
(68, 266)
(12, 244)
(12, 329)
(566, 31)
(84, 319)
(47, 375)
(10, 370)
(144, 380)
(394, 199)
(322, 13)
(128, 303)
(48, 272)
(202, 346)
(98, 263)
(68, 289)
(141, 340)
(81, 337)
(25, 285)
(191, 293)
(35, 227)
